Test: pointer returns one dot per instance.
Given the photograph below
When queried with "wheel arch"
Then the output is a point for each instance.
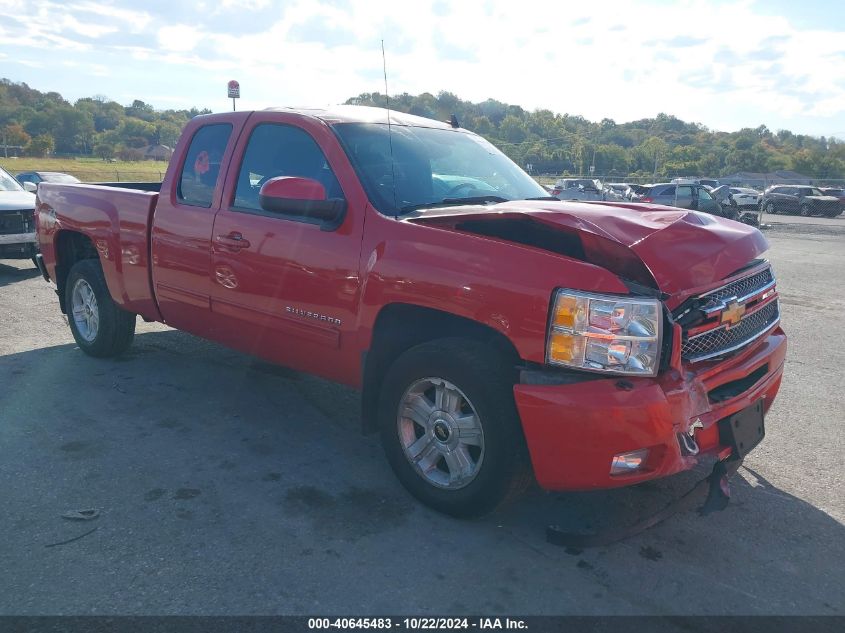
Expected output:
(401, 326)
(71, 247)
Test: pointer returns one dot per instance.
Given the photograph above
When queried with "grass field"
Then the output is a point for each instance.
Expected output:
(90, 169)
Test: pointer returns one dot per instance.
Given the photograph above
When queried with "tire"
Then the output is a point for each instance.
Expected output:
(465, 468)
(771, 209)
(805, 211)
(98, 325)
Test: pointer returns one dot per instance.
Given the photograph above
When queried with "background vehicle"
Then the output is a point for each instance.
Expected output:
(616, 191)
(685, 196)
(34, 177)
(745, 197)
(708, 182)
(578, 189)
(635, 191)
(17, 229)
(836, 192)
(493, 331)
(803, 200)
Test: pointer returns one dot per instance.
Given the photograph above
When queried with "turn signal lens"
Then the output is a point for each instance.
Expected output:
(565, 310)
(566, 347)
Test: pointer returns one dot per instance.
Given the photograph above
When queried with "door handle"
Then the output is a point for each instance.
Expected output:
(234, 241)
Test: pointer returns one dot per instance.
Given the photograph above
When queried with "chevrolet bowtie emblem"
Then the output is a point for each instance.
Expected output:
(732, 314)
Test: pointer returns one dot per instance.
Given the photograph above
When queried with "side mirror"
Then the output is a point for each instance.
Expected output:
(31, 187)
(302, 198)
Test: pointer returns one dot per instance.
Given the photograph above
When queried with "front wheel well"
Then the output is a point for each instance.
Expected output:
(399, 327)
(71, 247)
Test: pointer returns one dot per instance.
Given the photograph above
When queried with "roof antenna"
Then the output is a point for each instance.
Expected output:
(389, 135)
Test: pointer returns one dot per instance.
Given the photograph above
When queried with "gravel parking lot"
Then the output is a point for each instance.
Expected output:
(228, 486)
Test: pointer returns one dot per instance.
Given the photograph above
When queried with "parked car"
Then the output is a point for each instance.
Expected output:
(636, 191)
(17, 230)
(745, 197)
(685, 196)
(578, 189)
(491, 334)
(34, 177)
(616, 191)
(800, 199)
(708, 182)
(836, 192)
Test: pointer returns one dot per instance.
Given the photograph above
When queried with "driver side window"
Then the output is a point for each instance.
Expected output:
(281, 150)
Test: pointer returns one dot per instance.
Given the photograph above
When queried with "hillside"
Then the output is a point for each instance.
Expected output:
(35, 123)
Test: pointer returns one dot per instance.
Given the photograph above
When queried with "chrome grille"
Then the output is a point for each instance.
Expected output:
(722, 341)
(14, 222)
(742, 287)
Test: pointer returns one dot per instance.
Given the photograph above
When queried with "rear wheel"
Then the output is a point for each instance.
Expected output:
(805, 210)
(98, 325)
(450, 429)
(770, 208)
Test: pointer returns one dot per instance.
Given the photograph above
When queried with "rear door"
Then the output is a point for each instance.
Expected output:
(282, 287)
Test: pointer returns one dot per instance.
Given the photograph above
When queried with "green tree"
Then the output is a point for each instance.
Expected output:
(42, 145)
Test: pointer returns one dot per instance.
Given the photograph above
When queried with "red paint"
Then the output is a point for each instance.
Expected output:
(308, 298)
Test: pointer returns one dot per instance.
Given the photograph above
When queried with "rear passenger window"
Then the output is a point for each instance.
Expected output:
(202, 165)
(669, 191)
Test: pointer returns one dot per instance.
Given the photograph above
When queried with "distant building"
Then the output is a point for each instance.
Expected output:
(157, 152)
(763, 180)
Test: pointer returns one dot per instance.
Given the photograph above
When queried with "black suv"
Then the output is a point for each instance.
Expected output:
(799, 199)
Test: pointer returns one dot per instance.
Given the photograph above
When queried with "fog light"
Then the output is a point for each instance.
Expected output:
(628, 462)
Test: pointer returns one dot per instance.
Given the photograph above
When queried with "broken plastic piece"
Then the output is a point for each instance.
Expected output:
(81, 515)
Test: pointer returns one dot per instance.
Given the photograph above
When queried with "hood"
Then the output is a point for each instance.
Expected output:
(16, 200)
(673, 250)
(822, 198)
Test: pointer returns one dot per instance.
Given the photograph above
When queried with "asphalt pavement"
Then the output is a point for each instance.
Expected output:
(224, 485)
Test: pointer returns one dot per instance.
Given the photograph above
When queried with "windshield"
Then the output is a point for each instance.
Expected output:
(7, 183)
(811, 191)
(431, 167)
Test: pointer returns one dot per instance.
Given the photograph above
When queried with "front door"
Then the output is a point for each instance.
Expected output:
(282, 287)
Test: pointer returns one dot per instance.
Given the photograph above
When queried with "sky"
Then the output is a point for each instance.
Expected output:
(725, 64)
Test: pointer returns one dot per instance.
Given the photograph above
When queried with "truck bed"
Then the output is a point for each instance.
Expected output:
(117, 221)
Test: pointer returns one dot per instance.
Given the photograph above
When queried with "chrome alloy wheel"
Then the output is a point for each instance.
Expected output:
(86, 314)
(440, 433)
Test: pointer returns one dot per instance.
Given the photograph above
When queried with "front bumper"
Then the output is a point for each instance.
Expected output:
(573, 431)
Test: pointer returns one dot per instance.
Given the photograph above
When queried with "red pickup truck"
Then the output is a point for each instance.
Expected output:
(496, 333)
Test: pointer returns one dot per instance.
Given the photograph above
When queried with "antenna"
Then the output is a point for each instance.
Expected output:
(389, 135)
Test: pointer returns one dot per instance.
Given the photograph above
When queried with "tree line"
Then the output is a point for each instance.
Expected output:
(44, 123)
(35, 123)
(663, 146)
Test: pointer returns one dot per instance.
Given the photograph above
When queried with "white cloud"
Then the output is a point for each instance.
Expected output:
(746, 70)
(180, 38)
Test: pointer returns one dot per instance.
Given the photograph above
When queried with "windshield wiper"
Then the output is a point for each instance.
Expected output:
(555, 198)
(449, 202)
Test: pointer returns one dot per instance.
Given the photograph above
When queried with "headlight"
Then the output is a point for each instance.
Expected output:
(603, 333)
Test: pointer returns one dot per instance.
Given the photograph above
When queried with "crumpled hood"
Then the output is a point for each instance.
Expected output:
(16, 200)
(675, 249)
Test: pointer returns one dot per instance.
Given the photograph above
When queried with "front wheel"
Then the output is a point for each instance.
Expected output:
(98, 325)
(450, 429)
